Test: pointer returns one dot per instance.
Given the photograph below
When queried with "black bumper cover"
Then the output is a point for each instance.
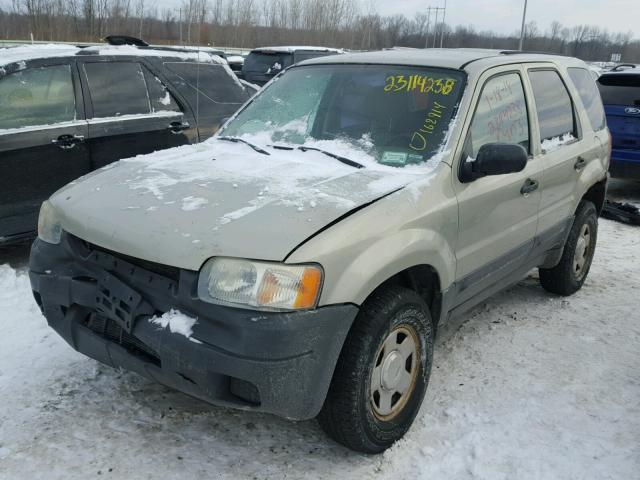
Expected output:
(275, 362)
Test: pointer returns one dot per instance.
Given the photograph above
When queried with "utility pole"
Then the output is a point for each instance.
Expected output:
(444, 14)
(426, 43)
(524, 16)
(435, 10)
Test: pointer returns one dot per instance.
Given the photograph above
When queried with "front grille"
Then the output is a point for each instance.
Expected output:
(110, 330)
(167, 271)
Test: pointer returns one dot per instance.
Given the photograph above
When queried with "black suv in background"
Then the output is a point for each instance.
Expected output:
(262, 64)
(66, 111)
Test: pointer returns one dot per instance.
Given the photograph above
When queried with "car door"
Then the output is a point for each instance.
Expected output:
(563, 146)
(498, 215)
(125, 119)
(42, 138)
(212, 90)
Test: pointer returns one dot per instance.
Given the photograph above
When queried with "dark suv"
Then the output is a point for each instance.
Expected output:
(262, 64)
(620, 90)
(67, 111)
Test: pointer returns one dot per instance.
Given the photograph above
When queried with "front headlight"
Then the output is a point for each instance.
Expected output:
(262, 285)
(49, 228)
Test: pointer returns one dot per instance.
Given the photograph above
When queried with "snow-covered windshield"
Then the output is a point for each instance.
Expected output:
(397, 115)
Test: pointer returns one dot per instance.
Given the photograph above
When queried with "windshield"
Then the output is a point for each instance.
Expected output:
(267, 63)
(396, 114)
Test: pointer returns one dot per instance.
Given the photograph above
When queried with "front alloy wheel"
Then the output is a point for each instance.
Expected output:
(382, 372)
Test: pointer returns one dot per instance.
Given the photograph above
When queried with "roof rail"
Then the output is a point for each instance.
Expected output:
(525, 52)
(125, 40)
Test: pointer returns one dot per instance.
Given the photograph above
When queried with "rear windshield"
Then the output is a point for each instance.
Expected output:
(620, 89)
(267, 63)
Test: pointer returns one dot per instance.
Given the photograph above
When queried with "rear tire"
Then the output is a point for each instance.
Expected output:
(569, 275)
(382, 372)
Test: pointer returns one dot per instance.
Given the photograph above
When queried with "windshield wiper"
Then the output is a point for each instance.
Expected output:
(242, 140)
(340, 158)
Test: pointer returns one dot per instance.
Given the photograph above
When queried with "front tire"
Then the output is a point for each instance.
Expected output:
(569, 275)
(382, 372)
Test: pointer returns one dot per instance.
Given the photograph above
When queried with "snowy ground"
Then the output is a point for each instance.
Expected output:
(532, 386)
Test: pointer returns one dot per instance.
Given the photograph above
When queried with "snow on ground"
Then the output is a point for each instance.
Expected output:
(532, 386)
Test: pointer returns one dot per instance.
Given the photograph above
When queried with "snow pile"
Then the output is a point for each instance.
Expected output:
(552, 144)
(176, 321)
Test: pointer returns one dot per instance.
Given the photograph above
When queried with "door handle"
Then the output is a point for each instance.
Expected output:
(67, 142)
(529, 186)
(580, 164)
(177, 127)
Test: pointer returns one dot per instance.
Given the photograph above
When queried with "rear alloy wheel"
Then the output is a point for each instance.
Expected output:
(570, 273)
(382, 372)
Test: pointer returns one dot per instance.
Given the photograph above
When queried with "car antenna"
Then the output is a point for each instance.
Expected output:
(198, 85)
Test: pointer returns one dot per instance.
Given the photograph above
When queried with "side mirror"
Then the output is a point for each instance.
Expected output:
(494, 159)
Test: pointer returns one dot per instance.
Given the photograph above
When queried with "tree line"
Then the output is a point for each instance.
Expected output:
(251, 23)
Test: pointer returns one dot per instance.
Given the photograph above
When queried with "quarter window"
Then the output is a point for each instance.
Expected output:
(553, 103)
(589, 95)
(501, 114)
(159, 95)
(37, 96)
(117, 88)
(211, 81)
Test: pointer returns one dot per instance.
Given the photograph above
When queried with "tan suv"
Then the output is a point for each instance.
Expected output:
(301, 261)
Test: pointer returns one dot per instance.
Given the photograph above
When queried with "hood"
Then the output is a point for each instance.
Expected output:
(182, 206)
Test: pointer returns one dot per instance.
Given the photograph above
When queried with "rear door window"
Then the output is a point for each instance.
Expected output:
(212, 81)
(117, 88)
(37, 96)
(501, 114)
(589, 95)
(620, 89)
(553, 103)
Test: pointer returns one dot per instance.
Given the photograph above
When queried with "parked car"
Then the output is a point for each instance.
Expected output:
(262, 64)
(235, 63)
(620, 90)
(301, 261)
(67, 111)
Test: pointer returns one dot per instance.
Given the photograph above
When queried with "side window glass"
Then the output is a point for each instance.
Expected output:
(501, 115)
(588, 91)
(215, 82)
(555, 109)
(117, 88)
(159, 95)
(37, 96)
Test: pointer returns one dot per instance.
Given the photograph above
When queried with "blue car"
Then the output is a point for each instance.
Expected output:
(620, 90)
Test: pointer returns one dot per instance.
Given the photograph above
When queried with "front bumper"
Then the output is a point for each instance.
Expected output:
(276, 362)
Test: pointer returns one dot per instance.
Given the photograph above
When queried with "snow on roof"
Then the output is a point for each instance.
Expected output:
(33, 52)
(130, 50)
(52, 50)
(624, 71)
(291, 49)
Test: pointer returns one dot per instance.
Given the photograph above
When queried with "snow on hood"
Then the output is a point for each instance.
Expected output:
(182, 206)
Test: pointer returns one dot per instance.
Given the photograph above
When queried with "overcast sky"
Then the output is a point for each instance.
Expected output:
(505, 16)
